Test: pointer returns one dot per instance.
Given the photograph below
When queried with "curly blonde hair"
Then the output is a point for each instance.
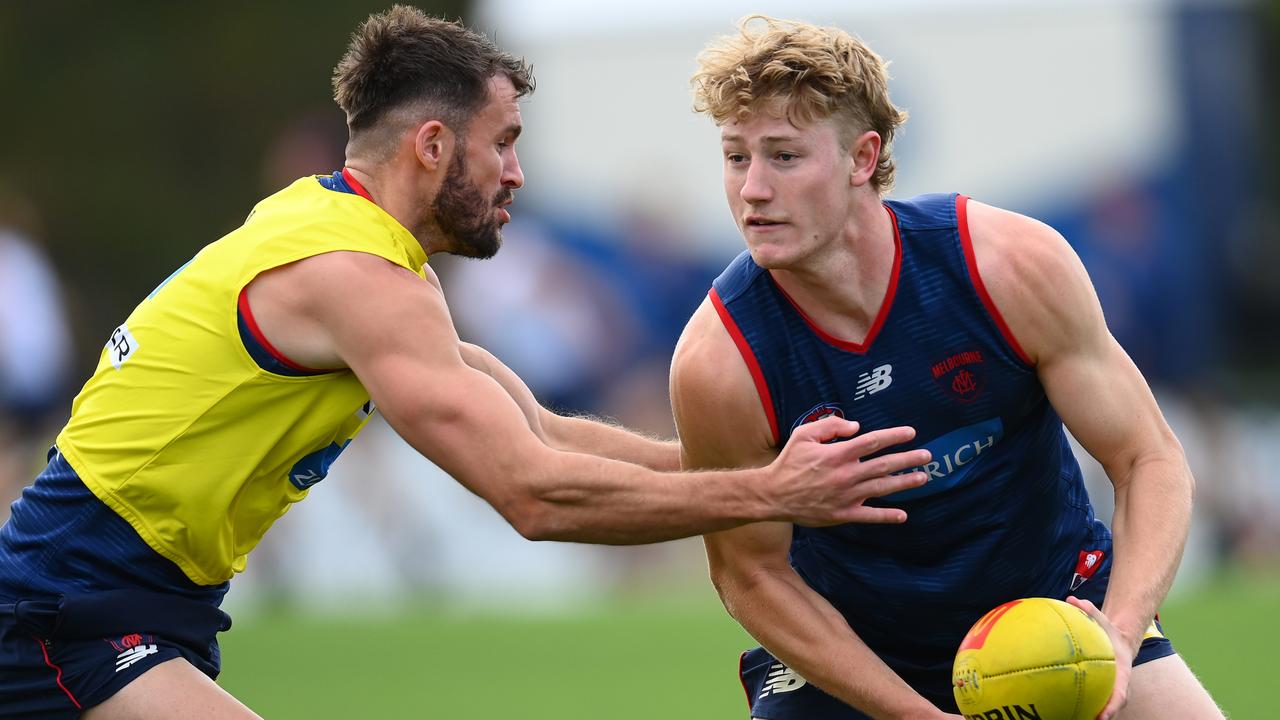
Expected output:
(814, 72)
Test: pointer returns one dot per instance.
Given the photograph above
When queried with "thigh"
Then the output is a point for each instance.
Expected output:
(1166, 689)
(171, 689)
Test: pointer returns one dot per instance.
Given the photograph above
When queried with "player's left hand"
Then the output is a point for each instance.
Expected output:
(1125, 653)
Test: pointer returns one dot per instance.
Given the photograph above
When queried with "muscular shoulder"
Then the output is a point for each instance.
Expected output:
(718, 412)
(1035, 280)
(302, 308)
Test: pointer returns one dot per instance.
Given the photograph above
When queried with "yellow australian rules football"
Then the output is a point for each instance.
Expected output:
(1034, 658)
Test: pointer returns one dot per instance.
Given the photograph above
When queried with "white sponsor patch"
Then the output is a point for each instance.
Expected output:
(121, 346)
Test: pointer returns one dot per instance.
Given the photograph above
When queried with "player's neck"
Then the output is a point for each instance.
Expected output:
(400, 198)
(842, 286)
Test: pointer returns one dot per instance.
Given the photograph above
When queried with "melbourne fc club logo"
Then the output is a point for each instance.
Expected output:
(960, 374)
(816, 413)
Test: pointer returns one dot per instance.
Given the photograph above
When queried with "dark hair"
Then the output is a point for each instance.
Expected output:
(403, 56)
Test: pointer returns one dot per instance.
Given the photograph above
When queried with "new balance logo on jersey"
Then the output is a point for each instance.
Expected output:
(870, 383)
(781, 679)
(132, 655)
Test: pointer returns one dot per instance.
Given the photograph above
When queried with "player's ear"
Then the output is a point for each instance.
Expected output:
(865, 153)
(432, 144)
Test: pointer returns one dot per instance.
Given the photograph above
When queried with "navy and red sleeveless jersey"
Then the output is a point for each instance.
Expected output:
(1005, 512)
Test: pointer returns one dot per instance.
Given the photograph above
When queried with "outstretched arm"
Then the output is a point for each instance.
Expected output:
(749, 565)
(1105, 402)
(576, 434)
(348, 309)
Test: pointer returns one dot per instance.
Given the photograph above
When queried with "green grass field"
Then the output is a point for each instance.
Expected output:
(652, 659)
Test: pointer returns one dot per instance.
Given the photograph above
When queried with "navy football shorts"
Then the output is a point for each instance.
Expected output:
(59, 658)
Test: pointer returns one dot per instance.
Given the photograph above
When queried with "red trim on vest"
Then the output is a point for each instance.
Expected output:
(753, 365)
(742, 663)
(962, 221)
(885, 305)
(58, 679)
(252, 324)
(355, 185)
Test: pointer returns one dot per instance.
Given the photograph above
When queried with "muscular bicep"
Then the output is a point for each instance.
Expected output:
(1090, 380)
(534, 413)
(393, 330)
(1105, 402)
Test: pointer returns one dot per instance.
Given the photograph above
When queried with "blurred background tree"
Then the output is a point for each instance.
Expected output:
(139, 128)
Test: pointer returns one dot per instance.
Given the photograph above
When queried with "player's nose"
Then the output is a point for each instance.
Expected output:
(512, 175)
(756, 187)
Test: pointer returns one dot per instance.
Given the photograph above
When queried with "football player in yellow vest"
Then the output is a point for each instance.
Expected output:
(229, 391)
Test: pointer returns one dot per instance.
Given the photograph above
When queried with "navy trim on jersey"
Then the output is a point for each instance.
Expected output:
(343, 181)
(261, 350)
(336, 182)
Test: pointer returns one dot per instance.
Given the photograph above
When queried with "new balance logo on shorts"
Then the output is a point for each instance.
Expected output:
(132, 648)
(133, 655)
(781, 679)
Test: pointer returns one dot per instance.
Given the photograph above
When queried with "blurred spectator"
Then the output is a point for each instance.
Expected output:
(547, 312)
(587, 315)
(653, 262)
(35, 348)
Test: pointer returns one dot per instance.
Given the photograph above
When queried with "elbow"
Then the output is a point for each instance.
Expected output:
(732, 583)
(528, 515)
(719, 581)
(1179, 457)
(1189, 478)
(1165, 466)
(524, 498)
(725, 588)
(537, 513)
(533, 526)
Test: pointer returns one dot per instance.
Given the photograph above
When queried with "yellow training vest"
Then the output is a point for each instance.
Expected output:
(181, 432)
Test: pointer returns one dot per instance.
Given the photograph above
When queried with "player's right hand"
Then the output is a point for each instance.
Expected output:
(817, 482)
